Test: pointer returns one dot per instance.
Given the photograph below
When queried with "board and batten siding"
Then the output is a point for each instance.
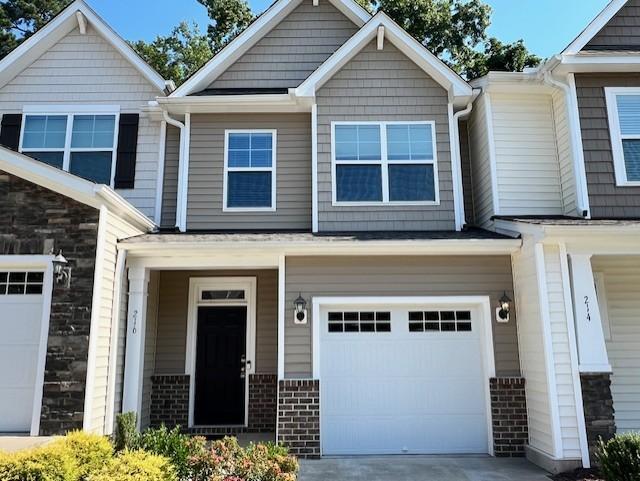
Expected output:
(395, 276)
(605, 198)
(383, 86)
(293, 173)
(292, 50)
(87, 70)
(622, 32)
(565, 153)
(481, 177)
(170, 181)
(171, 340)
(622, 285)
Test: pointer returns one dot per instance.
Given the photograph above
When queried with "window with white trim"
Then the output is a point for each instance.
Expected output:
(623, 105)
(250, 170)
(83, 144)
(384, 163)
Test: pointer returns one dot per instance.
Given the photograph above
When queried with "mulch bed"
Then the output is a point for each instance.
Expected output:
(579, 475)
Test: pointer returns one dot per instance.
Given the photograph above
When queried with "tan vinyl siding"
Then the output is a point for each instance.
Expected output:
(293, 173)
(621, 32)
(605, 198)
(85, 69)
(565, 153)
(396, 276)
(481, 163)
(172, 319)
(149, 347)
(383, 86)
(292, 51)
(465, 157)
(170, 181)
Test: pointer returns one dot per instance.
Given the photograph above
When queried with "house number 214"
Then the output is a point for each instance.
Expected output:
(586, 303)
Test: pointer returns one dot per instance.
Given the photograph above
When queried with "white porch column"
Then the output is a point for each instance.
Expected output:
(592, 350)
(134, 355)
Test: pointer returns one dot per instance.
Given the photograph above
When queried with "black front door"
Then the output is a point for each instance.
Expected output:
(220, 376)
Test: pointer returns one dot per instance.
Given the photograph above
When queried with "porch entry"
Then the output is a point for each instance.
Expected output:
(220, 350)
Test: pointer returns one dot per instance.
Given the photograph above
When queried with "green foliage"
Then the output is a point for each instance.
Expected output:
(497, 56)
(50, 463)
(228, 19)
(136, 466)
(126, 435)
(90, 451)
(619, 457)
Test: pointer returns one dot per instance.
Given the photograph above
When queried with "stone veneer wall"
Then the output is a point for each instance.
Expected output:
(598, 408)
(33, 220)
(299, 417)
(509, 416)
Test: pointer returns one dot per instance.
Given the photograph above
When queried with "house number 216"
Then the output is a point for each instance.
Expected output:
(586, 303)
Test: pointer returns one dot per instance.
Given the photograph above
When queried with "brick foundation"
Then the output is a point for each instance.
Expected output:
(263, 403)
(598, 408)
(299, 417)
(509, 416)
(170, 401)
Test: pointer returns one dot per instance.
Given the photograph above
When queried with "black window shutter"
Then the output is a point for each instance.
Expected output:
(127, 150)
(10, 131)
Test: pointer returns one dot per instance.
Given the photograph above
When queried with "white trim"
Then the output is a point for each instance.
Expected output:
(576, 137)
(160, 182)
(601, 292)
(594, 27)
(57, 109)
(573, 354)
(82, 23)
(552, 388)
(384, 164)
(481, 303)
(315, 224)
(181, 154)
(493, 161)
(456, 163)
(196, 286)
(272, 169)
(183, 182)
(96, 313)
(282, 312)
(353, 11)
(620, 168)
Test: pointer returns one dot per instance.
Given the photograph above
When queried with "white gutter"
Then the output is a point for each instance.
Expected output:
(181, 161)
(458, 190)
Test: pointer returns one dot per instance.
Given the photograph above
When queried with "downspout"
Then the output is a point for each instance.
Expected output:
(458, 161)
(181, 189)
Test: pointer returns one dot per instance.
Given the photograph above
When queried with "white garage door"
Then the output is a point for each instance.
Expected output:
(20, 324)
(402, 380)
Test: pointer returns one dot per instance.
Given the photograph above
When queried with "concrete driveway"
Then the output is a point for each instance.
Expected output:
(420, 468)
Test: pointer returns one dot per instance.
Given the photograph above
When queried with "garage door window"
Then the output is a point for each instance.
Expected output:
(367, 321)
(21, 283)
(439, 321)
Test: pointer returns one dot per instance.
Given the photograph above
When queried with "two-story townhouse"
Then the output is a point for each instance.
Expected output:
(554, 159)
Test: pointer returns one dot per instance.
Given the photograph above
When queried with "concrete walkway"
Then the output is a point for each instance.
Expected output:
(18, 443)
(420, 468)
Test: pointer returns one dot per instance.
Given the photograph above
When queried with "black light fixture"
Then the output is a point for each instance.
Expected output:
(300, 305)
(61, 270)
(505, 307)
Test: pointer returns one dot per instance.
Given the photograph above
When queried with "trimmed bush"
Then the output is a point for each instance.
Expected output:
(179, 448)
(619, 457)
(126, 435)
(136, 466)
(49, 463)
(90, 451)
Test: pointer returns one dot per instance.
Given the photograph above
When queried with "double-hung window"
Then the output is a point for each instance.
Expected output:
(384, 163)
(81, 143)
(623, 105)
(250, 170)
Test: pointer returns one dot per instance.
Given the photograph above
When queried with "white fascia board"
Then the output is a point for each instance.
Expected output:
(594, 27)
(512, 82)
(606, 63)
(65, 22)
(234, 103)
(119, 205)
(413, 49)
(353, 11)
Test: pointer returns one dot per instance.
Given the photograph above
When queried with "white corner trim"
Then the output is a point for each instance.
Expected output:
(611, 95)
(594, 27)
(601, 292)
(282, 312)
(183, 175)
(576, 140)
(493, 160)
(96, 312)
(160, 181)
(315, 224)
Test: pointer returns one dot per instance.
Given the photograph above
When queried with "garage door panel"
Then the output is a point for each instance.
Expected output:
(20, 320)
(19, 420)
(21, 370)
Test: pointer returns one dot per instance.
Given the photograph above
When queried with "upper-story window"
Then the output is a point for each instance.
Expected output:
(250, 170)
(623, 105)
(384, 163)
(81, 143)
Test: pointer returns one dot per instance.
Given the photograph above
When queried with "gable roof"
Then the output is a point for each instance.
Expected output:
(596, 25)
(72, 186)
(250, 36)
(65, 22)
(418, 53)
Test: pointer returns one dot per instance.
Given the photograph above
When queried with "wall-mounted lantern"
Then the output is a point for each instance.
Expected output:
(61, 270)
(503, 312)
(300, 310)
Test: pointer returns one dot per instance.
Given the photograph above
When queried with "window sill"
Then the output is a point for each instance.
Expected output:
(628, 183)
(385, 204)
(240, 210)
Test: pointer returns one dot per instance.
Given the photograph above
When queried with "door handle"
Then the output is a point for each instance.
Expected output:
(243, 366)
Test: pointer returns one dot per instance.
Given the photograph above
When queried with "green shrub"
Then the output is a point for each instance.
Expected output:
(90, 451)
(126, 435)
(136, 466)
(179, 448)
(619, 457)
(49, 463)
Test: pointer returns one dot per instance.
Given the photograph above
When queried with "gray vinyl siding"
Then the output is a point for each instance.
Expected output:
(622, 32)
(383, 86)
(480, 152)
(172, 319)
(465, 158)
(397, 276)
(293, 173)
(605, 198)
(170, 181)
(294, 49)
(86, 69)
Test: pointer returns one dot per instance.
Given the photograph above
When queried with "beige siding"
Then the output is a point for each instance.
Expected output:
(170, 181)
(527, 167)
(481, 163)
(293, 50)
(172, 319)
(150, 347)
(396, 276)
(377, 86)
(293, 173)
(622, 285)
(622, 32)
(85, 69)
(565, 153)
